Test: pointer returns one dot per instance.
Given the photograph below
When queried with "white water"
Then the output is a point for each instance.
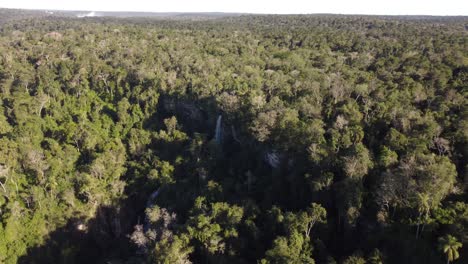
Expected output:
(90, 14)
(273, 159)
(218, 130)
(152, 197)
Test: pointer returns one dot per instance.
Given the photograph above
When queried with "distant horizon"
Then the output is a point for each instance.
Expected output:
(225, 12)
(272, 7)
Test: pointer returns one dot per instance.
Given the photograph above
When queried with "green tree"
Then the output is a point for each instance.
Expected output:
(450, 245)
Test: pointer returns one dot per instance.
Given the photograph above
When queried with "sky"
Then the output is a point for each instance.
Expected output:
(376, 7)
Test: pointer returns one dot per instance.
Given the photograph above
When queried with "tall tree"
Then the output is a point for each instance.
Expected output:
(450, 245)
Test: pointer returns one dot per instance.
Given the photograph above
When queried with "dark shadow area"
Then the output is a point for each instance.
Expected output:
(103, 239)
(239, 166)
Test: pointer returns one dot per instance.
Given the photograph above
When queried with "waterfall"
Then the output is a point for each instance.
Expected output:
(273, 159)
(218, 131)
(152, 197)
(90, 14)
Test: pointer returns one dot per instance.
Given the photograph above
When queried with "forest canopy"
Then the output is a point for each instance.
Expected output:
(233, 139)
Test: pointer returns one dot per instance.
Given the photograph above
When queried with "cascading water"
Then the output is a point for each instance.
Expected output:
(90, 14)
(218, 131)
(273, 159)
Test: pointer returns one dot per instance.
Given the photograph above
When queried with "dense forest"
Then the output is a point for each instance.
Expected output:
(233, 139)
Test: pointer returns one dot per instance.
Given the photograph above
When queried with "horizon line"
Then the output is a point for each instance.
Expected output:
(224, 12)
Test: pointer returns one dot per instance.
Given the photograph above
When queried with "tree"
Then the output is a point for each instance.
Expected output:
(450, 245)
(420, 182)
(213, 225)
(354, 259)
(294, 249)
(159, 242)
(358, 162)
(304, 221)
(5, 127)
(171, 251)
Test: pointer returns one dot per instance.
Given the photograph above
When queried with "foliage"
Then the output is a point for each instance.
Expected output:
(343, 138)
